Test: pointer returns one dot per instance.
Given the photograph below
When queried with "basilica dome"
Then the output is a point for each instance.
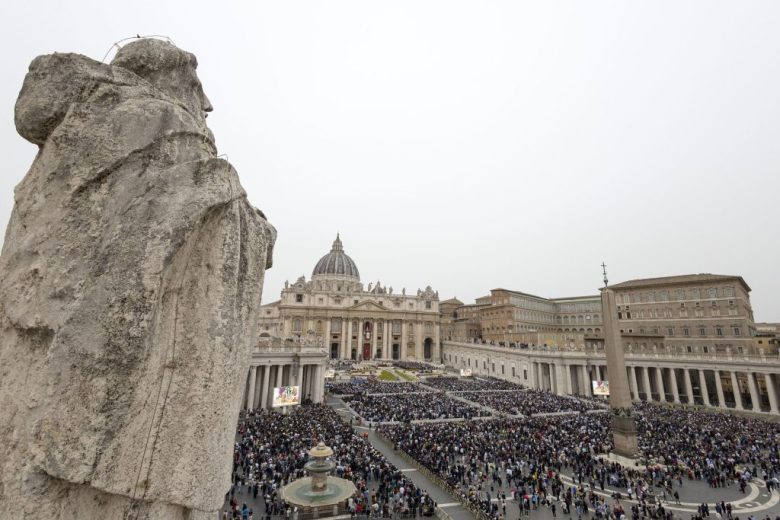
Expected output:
(336, 263)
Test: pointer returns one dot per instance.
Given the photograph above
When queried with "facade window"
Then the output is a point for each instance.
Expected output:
(719, 331)
(298, 298)
(502, 370)
(513, 371)
(525, 374)
(706, 349)
(427, 305)
(297, 325)
(702, 331)
(686, 331)
(670, 331)
(321, 300)
(354, 302)
(689, 348)
(737, 331)
(713, 292)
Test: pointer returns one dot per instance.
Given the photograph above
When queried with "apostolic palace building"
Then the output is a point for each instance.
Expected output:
(687, 339)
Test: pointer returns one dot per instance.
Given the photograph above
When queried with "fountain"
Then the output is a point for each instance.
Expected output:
(319, 490)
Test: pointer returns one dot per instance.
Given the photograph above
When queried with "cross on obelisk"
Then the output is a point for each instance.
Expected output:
(623, 423)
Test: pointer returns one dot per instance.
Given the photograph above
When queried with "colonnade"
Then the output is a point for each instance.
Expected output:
(262, 379)
(739, 382)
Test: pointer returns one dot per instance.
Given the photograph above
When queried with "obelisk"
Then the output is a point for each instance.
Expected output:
(623, 423)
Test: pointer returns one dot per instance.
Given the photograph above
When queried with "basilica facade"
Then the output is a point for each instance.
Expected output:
(353, 321)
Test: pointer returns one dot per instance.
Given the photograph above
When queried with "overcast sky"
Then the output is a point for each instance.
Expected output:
(474, 145)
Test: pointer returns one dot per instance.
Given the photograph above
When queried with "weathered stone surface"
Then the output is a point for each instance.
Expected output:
(130, 277)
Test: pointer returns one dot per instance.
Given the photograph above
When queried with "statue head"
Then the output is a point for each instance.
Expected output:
(168, 68)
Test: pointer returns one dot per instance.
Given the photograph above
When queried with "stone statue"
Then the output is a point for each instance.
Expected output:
(369, 286)
(130, 280)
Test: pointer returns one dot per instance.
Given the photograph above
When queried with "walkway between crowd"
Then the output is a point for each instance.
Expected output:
(442, 498)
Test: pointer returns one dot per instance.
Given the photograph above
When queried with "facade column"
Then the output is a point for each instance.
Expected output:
(736, 391)
(374, 333)
(250, 396)
(753, 391)
(328, 335)
(418, 349)
(688, 385)
(350, 332)
(598, 373)
(673, 382)
(646, 381)
(404, 339)
(569, 388)
(771, 391)
(436, 354)
(532, 374)
(659, 383)
(389, 343)
(299, 378)
(266, 380)
(705, 395)
(719, 388)
(320, 379)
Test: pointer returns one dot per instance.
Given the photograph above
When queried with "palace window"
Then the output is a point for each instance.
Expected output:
(737, 331)
(670, 331)
(427, 305)
(686, 331)
(719, 331)
(702, 331)
(297, 325)
(298, 298)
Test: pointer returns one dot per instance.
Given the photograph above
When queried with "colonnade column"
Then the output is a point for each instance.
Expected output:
(646, 381)
(705, 395)
(719, 388)
(264, 393)
(771, 391)
(585, 380)
(634, 386)
(250, 396)
(673, 382)
(736, 391)
(753, 392)
(688, 385)
(659, 383)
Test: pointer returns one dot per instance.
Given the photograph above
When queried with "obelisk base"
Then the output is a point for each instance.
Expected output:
(624, 436)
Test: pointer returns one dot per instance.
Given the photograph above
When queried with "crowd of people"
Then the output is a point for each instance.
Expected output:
(404, 408)
(371, 385)
(533, 460)
(272, 449)
(469, 384)
(529, 402)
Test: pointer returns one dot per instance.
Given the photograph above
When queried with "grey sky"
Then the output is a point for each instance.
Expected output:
(474, 145)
